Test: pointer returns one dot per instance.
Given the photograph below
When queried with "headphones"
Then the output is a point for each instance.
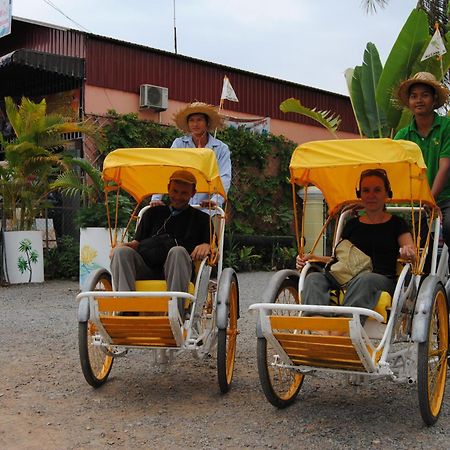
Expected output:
(380, 173)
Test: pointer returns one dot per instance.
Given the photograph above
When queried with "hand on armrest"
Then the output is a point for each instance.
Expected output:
(301, 261)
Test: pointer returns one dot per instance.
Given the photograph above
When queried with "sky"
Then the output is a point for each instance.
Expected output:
(310, 42)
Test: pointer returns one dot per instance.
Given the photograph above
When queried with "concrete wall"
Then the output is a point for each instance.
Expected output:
(99, 100)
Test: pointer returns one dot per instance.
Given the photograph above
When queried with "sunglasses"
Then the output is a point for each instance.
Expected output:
(379, 172)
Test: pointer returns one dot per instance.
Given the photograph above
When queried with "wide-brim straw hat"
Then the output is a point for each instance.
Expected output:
(214, 119)
(402, 92)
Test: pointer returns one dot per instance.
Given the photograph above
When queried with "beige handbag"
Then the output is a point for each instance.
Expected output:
(349, 262)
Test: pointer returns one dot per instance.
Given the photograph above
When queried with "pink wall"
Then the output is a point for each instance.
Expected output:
(99, 100)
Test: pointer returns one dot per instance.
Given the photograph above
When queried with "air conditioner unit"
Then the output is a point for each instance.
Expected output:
(153, 97)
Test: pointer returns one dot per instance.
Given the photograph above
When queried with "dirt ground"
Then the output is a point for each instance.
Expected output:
(45, 402)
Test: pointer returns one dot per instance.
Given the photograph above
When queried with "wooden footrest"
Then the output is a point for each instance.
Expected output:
(320, 351)
(137, 330)
(303, 342)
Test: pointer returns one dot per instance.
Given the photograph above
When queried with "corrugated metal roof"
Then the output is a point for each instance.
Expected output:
(125, 66)
(62, 65)
(185, 58)
(173, 55)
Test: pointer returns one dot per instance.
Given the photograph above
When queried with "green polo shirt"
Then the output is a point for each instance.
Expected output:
(434, 147)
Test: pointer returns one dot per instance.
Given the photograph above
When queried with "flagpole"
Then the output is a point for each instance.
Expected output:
(174, 29)
(227, 94)
(436, 26)
(220, 108)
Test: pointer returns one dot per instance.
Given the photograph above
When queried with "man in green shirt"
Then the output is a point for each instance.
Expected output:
(422, 94)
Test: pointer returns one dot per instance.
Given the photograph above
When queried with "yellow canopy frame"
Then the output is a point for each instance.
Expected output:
(145, 171)
(142, 172)
(335, 167)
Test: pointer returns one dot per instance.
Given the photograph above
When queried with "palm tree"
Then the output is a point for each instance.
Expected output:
(33, 158)
(371, 5)
(437, 10)
(32, 256)
(91, 189)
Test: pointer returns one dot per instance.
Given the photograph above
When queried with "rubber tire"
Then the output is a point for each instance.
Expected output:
(280, 386)
(432, 371)
(96, 364)
(226, 340)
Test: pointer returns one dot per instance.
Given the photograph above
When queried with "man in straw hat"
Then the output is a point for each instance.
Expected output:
(199, 120)
(422, 94)
(167, 240)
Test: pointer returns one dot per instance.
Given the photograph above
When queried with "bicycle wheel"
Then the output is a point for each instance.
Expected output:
(96, 364)
(279, 384)
(226, 337)
(432, 359)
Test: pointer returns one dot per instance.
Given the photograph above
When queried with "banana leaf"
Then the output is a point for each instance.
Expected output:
(370, 74)
(356, 94)
(407, 49)
(328, 119)
(405, 119)
(348, 74)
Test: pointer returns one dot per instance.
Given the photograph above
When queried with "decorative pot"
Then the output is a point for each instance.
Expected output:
(23, 260)
(95, 247)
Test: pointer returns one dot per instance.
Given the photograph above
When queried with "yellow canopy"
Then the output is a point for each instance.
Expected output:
(145, 171)
(335, 166)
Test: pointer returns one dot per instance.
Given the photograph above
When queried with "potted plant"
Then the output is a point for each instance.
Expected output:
(32, 158)
(92, 217)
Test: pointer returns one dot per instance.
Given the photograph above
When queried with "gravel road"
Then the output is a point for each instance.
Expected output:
(45, 402)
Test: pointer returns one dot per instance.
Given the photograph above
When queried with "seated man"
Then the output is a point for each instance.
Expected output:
(167, 240)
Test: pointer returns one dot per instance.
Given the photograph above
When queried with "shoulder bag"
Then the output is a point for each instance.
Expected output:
(348, 261)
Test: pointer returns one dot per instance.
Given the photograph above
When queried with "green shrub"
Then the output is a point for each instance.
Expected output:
(62, 262)
(260, 196)
(95, 215)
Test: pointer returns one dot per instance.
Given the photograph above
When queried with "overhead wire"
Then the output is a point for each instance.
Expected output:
(65, 15)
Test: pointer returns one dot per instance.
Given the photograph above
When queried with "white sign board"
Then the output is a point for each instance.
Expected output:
(5, 17)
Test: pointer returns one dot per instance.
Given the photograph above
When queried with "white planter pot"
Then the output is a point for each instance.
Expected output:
(24, 257)
(94, 251)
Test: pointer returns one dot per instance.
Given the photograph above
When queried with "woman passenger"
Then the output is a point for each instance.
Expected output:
(378, 234)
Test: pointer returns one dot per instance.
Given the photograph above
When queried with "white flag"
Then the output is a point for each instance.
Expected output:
(228, 91)
(436, 47)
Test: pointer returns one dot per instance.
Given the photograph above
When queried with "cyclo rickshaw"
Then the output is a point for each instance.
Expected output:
(405, 338)
(112, 322)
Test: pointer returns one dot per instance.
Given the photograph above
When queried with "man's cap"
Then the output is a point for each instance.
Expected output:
(184, 176)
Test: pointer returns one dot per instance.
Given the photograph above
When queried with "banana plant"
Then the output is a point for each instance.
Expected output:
(328, 119)
(408, 48)
(362, 82)
(375, 110)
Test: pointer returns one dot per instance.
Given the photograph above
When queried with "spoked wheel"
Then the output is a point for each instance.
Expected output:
(96, 364)
(432, 360)
(279, 384)
(226, 337)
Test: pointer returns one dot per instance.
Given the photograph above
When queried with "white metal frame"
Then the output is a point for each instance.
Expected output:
(202, 344)
(399, 363)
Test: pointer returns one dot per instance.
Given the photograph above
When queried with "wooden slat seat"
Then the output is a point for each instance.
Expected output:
(139, 321)
(382, 307)
(137, 330)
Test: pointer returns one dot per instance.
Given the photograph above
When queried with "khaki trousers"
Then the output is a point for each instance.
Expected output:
(127, 266)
